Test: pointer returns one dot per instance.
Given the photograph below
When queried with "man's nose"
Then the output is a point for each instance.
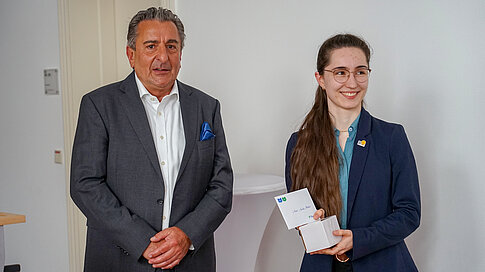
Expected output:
(162, 54)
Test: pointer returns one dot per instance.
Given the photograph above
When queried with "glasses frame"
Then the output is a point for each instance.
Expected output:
(348, 77)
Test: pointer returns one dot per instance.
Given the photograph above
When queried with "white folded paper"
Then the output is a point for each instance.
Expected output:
(318, 235)
(296, 207)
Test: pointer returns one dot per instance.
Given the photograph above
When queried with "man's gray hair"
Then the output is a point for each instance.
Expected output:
(158, 14)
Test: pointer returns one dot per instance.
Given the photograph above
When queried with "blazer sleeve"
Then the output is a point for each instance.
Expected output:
(89, 189)
(217, 200)
(406, 206)
(289, 150)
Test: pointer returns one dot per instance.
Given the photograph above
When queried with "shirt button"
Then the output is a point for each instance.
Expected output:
(161, 137)
(160, 202)
(164, 217)
(350, 129)
(159, 114)
(153, 99)
(162, 163)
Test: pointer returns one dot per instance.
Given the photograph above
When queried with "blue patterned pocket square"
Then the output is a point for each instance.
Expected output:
(206, 132)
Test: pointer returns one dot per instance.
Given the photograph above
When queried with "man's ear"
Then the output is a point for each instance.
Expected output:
(130, 53)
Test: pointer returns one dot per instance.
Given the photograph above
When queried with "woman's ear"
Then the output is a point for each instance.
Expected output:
(320, 80)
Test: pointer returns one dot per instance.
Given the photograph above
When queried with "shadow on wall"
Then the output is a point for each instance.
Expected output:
(443, 221)
(417, 125)
(281, 249)
(443, 182)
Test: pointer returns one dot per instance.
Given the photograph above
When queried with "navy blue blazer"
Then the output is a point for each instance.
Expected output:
(383, 199)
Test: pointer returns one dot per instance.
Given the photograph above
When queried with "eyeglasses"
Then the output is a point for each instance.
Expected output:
(342, 75)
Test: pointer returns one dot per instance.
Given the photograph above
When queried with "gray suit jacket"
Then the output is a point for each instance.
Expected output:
(117, 183)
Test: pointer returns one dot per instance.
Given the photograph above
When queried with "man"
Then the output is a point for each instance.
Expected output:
(150, 167)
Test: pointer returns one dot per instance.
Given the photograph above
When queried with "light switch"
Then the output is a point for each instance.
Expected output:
(51, 84)
(58, 156)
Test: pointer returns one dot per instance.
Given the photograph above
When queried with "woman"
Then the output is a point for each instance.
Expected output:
(355, 166)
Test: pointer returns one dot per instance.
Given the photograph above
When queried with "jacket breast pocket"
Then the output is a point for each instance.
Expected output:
(207, 144)
(206, 150)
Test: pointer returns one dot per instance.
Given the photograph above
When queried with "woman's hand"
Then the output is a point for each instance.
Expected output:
(319, 214)
(343, 246)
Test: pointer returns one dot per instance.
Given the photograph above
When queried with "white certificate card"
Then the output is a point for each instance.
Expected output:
(296, 207)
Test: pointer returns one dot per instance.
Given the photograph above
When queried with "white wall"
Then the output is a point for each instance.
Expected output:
(31, 128)
(258, 58)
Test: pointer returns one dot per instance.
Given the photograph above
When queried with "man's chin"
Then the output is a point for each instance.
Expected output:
(162, 84)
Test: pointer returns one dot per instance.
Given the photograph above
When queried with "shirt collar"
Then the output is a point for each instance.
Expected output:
(352, 128)
(144, 92)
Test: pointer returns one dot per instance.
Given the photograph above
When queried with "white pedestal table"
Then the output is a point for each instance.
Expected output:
(239, 236)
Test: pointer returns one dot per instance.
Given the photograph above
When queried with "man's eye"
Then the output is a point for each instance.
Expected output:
(361, 72)
(150, 46)
(171, 46)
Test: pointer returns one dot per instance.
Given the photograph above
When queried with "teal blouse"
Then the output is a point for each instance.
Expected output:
(345, 158)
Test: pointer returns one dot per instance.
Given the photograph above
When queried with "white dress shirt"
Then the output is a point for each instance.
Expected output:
(165, 119)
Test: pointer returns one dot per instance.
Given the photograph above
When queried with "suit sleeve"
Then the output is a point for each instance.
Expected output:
(406, 206)
(289, 150)
(199, 224)
(89, 189)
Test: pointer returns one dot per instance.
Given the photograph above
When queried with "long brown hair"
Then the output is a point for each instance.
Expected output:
(315, 158)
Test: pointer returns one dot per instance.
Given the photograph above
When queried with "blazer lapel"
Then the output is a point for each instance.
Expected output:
(359, 158)
(130, 99)
(189, 108)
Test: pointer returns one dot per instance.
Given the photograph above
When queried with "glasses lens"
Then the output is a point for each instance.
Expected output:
(361, 75)
(341, 75)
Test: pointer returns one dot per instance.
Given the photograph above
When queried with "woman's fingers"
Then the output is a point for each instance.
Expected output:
(319, 214)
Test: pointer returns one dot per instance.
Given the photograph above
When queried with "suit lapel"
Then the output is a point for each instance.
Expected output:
(130, 99)
(359, 158)
(188, 106)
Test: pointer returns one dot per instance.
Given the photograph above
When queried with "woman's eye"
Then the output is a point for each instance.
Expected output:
(340, 72)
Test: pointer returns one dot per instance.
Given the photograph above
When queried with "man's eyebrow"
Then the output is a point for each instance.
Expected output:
(172, 41)
(151, 41)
